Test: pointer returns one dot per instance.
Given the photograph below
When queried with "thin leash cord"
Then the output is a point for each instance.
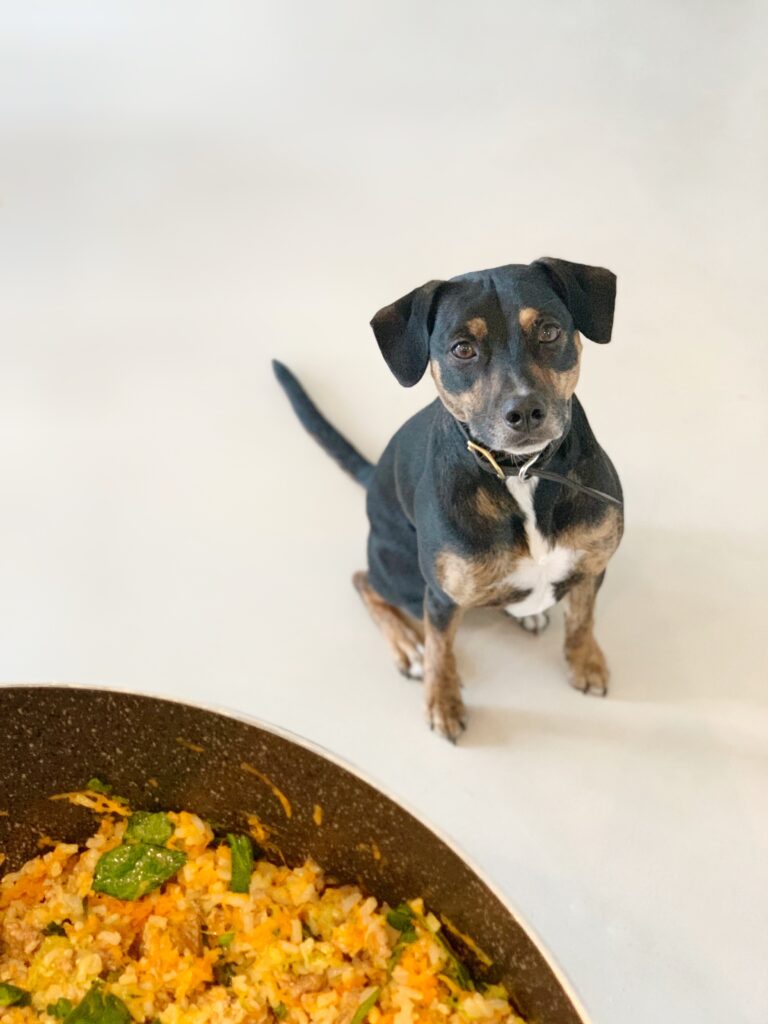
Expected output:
(593, 492)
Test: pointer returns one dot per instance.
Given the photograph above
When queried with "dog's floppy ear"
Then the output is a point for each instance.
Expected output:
(588, 292)
(402, 331)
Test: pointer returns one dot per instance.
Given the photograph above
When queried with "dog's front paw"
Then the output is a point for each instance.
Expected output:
(534, 624)
(588, 669)
(447, 715)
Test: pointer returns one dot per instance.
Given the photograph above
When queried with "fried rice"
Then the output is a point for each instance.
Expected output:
(292, 947)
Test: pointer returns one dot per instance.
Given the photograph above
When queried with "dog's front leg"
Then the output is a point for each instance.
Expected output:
(587, 664)
(445, 708)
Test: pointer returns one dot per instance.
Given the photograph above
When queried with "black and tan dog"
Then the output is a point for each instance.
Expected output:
(497, 494)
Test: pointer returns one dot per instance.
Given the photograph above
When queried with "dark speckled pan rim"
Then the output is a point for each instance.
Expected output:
(348, 766)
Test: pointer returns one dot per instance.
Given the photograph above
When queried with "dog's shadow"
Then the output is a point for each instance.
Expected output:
(681, 618)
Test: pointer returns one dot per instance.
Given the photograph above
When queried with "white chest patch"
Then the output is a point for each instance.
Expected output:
(545, 565)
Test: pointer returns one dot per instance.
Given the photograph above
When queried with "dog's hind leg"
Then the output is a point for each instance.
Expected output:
(403, 634)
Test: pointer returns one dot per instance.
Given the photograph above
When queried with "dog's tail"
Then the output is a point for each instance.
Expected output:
(326, 435)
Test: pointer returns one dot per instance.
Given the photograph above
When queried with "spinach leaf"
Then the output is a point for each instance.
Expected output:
(129, 872)
(401, 917)
(455, 969)
(226, 939)
(12, 995)
(366, 1006)
(404, 920)
(54, 928)
(61, 1009)
(242, 862)
(97, 786)
(97, 1008)
(145, 827)
(224, 972)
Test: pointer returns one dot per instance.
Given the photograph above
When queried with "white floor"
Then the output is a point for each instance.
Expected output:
(189, 189)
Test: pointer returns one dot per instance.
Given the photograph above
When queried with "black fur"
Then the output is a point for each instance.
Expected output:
(588, 292)
(422, 494)
(421, 502)
(326, 435)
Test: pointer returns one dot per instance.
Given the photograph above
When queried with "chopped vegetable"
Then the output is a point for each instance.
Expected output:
(98, 1008)
(61, 1009)
(226, 939)
(129, 872)
(455, 968)
(366, 1006)
(280, 1011)
(97, 786)
(402, 919)
(145, 827)
(54, 928)
(242, 862)
(12, 995)
(224, 972)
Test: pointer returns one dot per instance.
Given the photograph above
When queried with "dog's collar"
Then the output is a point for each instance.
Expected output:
(505, 466)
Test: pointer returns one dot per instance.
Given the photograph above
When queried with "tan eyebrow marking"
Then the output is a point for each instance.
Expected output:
(528, 317)
(477, 327)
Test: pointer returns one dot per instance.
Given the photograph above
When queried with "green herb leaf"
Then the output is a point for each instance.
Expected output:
(54, 928)
(224, 972)
(12, 995)
(401, 917)
(145, 827)
(129, 872)
(455, 968)
(97, 786)
(280, 1011)
(366, 1006)
(404, 920)
(242, 862)
(60, 1009)
(96, 1007)
(226, 939)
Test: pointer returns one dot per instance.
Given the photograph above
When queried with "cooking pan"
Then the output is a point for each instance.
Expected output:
(161, 754)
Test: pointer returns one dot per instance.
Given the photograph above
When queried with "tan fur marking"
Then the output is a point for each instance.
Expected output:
(442, 687)
(586, 662)
(478, 581)
(461, 404)
(488, 507)
(527, 317)
(478, 328)
(404, 635)
(597, 541)
(559, 382)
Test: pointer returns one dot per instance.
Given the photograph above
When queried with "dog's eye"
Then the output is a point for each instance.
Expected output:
(548, 332)
(463, 350)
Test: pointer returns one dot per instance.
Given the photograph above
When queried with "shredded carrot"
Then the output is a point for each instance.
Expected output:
(277, 793)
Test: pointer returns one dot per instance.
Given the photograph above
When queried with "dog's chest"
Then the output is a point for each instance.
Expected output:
(522, 578)
(544, 566)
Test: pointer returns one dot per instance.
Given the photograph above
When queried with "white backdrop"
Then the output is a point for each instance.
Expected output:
(191, 188)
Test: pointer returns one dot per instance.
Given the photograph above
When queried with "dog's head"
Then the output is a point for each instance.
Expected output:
(503, 345)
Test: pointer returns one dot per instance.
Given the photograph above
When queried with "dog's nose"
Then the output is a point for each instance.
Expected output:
(525, 414)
